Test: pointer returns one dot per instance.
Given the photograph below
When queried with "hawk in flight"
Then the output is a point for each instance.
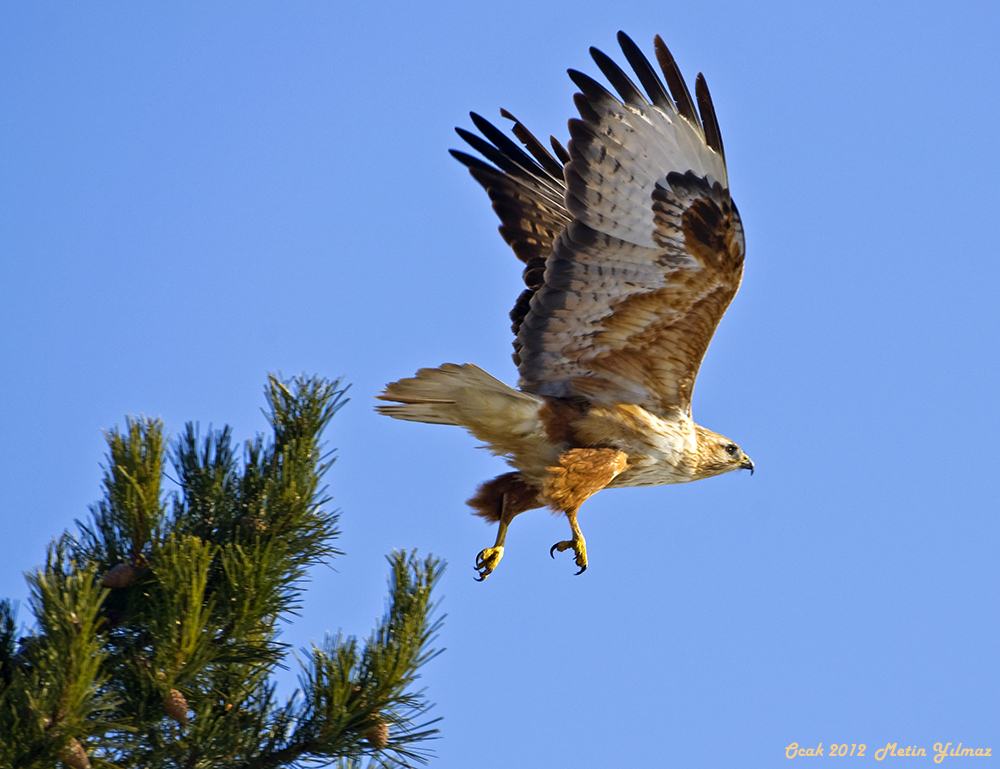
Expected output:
(633, 250)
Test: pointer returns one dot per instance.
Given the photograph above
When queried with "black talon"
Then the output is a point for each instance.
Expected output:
(552, 550)
(480, 577)
(580, 572)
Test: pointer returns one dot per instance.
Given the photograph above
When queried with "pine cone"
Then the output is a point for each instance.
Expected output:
(120, 575)
(378, 733)
(73, 755)
(176, 706)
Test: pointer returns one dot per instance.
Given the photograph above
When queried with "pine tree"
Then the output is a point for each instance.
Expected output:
(155, 635)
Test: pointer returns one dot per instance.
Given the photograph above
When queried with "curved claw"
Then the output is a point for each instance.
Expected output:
(579, 547)
(487, 561)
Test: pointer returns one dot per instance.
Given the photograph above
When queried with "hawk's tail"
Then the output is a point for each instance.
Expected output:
(506, 420)
(451, 395)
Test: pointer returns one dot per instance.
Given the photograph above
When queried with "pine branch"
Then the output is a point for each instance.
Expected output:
(156, 627)
(359, 703)
(53, 689)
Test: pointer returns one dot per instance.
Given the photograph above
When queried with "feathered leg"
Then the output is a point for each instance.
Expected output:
(501, 500)
(580, 474)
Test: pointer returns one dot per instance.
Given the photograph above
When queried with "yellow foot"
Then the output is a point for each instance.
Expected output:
(579, 546)
(487, 561)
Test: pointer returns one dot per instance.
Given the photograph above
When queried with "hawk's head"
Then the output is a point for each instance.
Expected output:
(717, 455)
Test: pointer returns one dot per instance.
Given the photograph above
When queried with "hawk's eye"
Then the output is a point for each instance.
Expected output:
(731, 449)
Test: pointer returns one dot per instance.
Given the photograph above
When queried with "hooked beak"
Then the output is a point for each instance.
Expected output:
(747, 464)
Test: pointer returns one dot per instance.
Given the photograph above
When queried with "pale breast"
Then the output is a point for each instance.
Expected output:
(660, 450)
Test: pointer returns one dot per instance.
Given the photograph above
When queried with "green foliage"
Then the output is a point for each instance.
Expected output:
(155, 638)
(53, 685)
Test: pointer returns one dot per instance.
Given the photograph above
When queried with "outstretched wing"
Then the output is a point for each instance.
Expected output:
(529, 196)
(651, 251)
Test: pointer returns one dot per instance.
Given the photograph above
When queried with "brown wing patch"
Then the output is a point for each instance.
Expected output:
(660, 337)
(657, 321)
(663, 356)
(558, 417)
(713, 235)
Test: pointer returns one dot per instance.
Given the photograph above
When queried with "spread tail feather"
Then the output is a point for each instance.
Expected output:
(442, 395)
(505, 419)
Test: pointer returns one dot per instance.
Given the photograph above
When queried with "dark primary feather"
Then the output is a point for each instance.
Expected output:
(647, 75)
(535, 147)
(592, 90)
(494, 154)
(561, 152)
(510, 150)
(471, 162)
(625, 87)
(675, 80)
(713, 137)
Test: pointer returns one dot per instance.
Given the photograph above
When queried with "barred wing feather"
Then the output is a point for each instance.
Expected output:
(633, 256)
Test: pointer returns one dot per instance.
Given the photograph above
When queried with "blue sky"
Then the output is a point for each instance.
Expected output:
(196, 196)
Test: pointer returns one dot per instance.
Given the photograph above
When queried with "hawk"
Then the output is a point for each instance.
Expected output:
(633, 250)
